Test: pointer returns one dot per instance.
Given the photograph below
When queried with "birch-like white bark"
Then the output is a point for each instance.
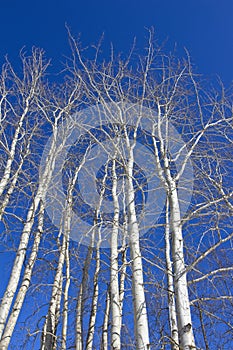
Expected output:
(8, 331)
(32, 75)
(49, 335)
(123, 252)
(78, 323)
(170, 286)
(12, 184)
(66, 295)
(114, 283)
(122, 277)
(94, 304)
(17, 267)
(18, 263)
(81, 300)
(97, 240)
(139, 300)
(180, 278)
(7, 170)
(141, 327)
(183, 312)
(79, 341)
(67, 223)
(104, 341)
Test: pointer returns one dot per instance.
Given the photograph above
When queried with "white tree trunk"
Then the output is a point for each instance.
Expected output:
(181, 287)
(49, 334)
(92, 321)
(79, 341)
(33, 70)
(17, 267)
(18, 263)
(78, 323)
(49, 337)
(13, 184)
(123, 251)
(24, 285)
(66, 233)
(81, 300)
(7, 170)
(104, 342)
(122, 280)
(170, 286)
(183, 312)
(114, 283)
(66, 294)
(96, 238)
(140, 309)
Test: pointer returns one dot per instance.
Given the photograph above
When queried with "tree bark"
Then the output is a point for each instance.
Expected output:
(18, 263)
(183, 311)
(8, 331)
(114, 282)
(104, 340)
(66, 295)
(170, 286)
(81, 300)
(49, 337)
(94, 304)
(96, 238)
(139, 300)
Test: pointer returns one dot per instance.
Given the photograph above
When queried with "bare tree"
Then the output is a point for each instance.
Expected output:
(137, 167)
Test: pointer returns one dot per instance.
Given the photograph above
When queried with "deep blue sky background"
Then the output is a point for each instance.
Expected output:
(204, 27)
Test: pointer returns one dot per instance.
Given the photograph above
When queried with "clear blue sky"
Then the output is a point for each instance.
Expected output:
(204, 27)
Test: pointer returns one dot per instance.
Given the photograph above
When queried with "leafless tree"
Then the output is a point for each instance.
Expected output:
(134, 185)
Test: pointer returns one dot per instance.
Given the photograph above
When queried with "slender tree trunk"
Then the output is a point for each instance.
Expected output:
(7, 171)
(67, 223)
(183, 312)
(96, 233)
(66, 294)
(140, 309)
(79, 317)
(122, 279)
(24, 285)
(181, 287)
(93, 315)
(114, 283)
(104, 342)
(49, 335)
(81, 300)
(17, 267)
(49, 339)
(67, 227)
(123, 253)
(33, 70)
(18, 263)
(170, 286)
(13, 184)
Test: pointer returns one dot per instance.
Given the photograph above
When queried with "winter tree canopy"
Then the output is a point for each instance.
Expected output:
(116, 204)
